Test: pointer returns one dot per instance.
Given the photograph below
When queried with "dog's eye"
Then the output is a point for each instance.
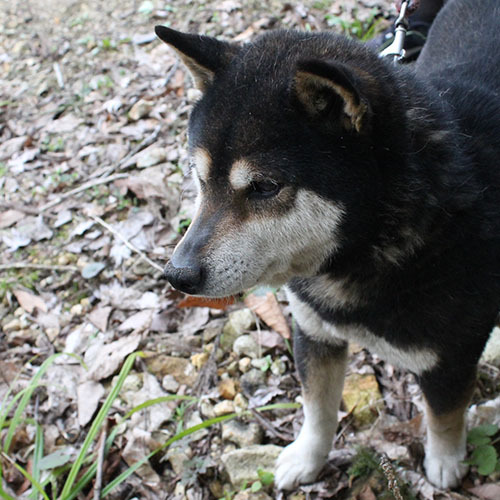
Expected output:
(264, 189)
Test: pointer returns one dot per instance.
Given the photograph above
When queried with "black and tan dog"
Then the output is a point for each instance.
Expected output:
(372, 191)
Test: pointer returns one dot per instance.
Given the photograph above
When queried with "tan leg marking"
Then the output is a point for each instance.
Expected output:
(301, 461)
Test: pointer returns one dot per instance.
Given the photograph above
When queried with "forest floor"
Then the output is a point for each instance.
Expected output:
(93, 115)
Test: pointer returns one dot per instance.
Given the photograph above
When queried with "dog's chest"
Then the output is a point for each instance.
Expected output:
(410, 357)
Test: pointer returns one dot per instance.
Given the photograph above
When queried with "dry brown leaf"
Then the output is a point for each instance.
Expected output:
(267, 308)
(29, 302)
(190, 301)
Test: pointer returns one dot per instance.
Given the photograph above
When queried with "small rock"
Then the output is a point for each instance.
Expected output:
(240, 403)
(261, 363)
(244, 364)
(238, 323)
(199, 359)
(207, 409)
(12, 326)
(177, 456)
(195, 419)
(170, 384)
(76, 310)
(278, 367)
(245, 345)
(241, 465)
(150, 157)
(252, 380)
(140, 109)
(227, 388)
(133, 382)
(181, 369)
(242, 434)
(223, 408)
(362, 397)
(491, 353)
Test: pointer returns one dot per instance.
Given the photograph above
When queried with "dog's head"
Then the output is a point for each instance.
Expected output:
(278, 146)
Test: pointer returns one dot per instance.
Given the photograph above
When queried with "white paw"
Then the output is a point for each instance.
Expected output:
(300, 462)
(445, 471)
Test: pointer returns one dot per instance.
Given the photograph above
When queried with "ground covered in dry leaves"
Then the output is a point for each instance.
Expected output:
(93, 114)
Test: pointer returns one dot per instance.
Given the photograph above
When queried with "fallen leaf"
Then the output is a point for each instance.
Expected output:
(29, 302)
(267, 308)
(222, 304)
(99, 317)
(138, 321)
(110, 357)
(10, 217)
(89, 393)
(194, 320)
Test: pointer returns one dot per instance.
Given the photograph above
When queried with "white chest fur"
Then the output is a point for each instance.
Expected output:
(416, 360)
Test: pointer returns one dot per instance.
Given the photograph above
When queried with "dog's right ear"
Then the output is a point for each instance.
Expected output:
(202, 55)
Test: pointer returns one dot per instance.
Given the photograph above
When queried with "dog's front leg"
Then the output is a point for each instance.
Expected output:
(447, 393)
(321, 367)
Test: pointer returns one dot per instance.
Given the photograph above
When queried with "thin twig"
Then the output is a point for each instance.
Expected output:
(79, 189)
(38, 266)
(122, 238)
(142, 145)
(100, 464)
(265, 423)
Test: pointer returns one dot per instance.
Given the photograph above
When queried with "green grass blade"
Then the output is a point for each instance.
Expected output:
(28, 476)
(96, 425)
(37, 456)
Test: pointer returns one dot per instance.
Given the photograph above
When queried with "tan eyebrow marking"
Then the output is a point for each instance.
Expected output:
(202, 163)
(241, 175)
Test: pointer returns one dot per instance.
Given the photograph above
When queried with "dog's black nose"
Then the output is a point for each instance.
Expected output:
(186, 279)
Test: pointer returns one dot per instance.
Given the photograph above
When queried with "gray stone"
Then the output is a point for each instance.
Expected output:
(241, 465)
(238, 323)
(140, 109)
(245, 345)
(242, 434)
(177, 456)
(170, 384)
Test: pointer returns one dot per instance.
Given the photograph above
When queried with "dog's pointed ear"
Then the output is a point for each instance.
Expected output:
(327, 89)
(202, 55)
